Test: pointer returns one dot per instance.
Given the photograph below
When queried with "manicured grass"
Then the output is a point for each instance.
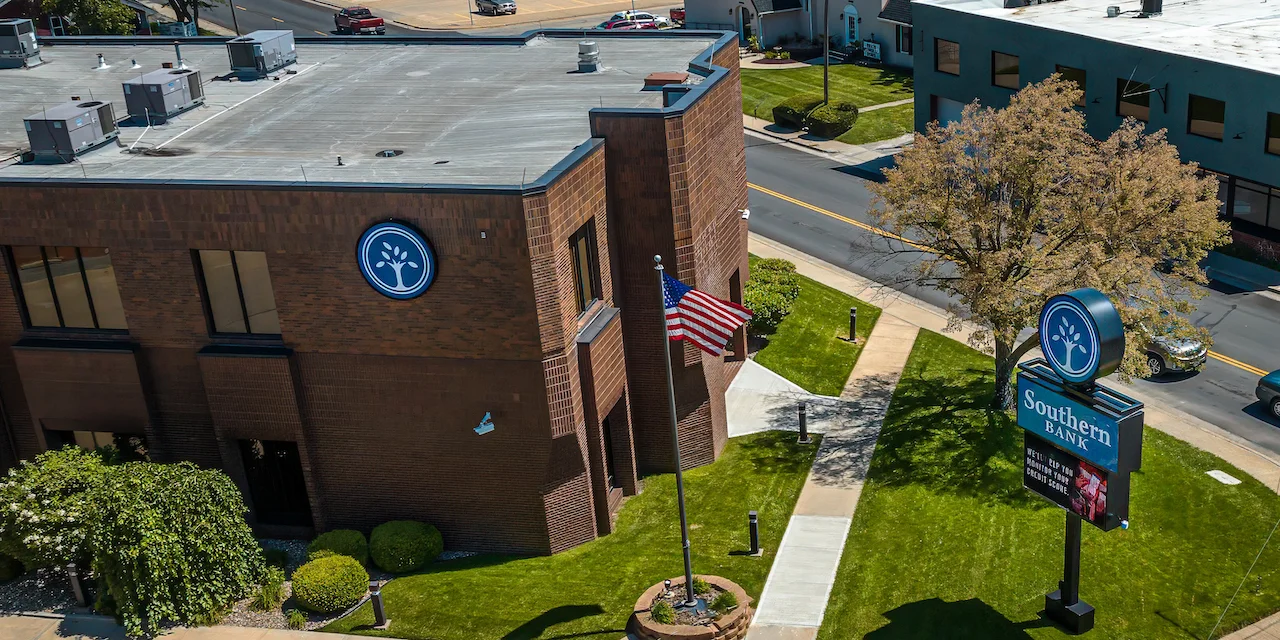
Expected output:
(589, 591)
(881, 124)
(763, 89)
(810, 346)
(947, 544)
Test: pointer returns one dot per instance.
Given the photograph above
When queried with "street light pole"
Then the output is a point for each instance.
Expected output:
(826, 50)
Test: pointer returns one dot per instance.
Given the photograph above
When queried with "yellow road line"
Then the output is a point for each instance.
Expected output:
(866, 227)
(276, 19)
(241, 8)
(321, 33)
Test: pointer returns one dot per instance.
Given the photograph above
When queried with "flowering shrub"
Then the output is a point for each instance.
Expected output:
(44, 507)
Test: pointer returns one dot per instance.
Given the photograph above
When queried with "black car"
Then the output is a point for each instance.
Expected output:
(1269, 392)
(496, 7)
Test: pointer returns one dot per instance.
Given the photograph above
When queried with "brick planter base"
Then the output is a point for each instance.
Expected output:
(730, 626)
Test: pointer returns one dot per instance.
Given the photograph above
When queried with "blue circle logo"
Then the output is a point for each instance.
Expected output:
(1069, 339)
(396, 260)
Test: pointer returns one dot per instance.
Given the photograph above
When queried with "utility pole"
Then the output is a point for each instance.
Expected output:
(826, 50)
(234, 22)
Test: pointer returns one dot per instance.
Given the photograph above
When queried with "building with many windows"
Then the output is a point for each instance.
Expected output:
(1207, 71)
(404, 279)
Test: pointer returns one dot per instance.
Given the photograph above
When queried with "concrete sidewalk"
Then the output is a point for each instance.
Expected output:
(94, 627)
(868, 158)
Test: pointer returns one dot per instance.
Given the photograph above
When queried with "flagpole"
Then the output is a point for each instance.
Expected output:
(675, 437)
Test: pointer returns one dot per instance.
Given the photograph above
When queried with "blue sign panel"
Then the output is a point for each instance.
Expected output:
(1081, 335)
(396, 260)
(1068, 423)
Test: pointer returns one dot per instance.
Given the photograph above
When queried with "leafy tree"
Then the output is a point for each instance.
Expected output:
(189, 10)
(769, 293)
(94, 17)
(1012, 206)
(45, 507)
(171, 544)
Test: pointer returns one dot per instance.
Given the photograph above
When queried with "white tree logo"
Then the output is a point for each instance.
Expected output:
(1069, 337)
(397, 259)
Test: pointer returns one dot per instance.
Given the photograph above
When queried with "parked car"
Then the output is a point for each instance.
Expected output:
(1166, 354)
(356, 20)
(677, 15)
(496, 7)
(1269, 392)
(625, 25)
(641, 17)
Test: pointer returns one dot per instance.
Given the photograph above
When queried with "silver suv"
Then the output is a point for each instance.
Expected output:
(1166, 354)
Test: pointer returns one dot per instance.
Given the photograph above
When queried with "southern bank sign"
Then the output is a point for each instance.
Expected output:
(1068, 423)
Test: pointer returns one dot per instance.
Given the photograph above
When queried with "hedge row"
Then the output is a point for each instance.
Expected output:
(334, 578)
(806, 111)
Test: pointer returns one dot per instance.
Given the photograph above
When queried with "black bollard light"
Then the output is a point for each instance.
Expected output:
(753, 521)
(804, 427)
(77, 589)
(853, 324)
(380, 620)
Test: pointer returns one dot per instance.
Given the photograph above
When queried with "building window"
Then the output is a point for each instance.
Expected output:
(1133, 99)
(1205, 116)
(1004, 70)
(68, 287)
(586, 269)
(1273, 133)
(1072, 74)
(946, 56)
(277, 485)
(237, 288)
(904, 39)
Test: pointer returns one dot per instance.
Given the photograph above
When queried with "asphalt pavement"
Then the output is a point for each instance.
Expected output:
(819, 206)
(303, 18)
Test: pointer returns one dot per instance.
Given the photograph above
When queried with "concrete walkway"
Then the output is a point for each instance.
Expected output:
(93, 627)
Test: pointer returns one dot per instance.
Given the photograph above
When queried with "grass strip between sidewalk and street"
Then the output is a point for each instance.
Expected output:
(947, 543)
(589, 590)
(810, 346)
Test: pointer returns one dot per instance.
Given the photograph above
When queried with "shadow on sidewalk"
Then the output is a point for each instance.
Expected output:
(936, 618)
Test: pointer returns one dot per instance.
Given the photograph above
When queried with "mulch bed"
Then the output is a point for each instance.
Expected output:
(701, 616)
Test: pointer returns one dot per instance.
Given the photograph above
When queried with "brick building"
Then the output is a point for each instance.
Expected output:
(200, 289)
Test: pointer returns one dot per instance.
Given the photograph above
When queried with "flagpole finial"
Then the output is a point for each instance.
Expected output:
(658, 260)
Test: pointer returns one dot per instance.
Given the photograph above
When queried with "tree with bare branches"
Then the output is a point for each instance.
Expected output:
(1009, 207)
(189, 10)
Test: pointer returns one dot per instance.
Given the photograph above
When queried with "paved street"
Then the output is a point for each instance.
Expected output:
(1244, 324)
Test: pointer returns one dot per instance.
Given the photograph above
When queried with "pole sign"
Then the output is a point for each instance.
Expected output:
(1082, 439)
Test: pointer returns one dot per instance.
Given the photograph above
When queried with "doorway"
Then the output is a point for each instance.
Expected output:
(277, 487)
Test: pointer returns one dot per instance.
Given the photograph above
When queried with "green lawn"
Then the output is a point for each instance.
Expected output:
(763, 89)
(946, 542)
(881, 124)
(810, 346)
(589, 591)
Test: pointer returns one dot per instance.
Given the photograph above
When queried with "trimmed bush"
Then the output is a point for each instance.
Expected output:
(662, 612)
(10, 568)
(330, 585)
(271, 592)
(296, 619)
(724, 603)
(772, 264)
(769, 55)
(769, 294)
(791, 112)
(401, 546)
(345, 542)
(832, 120)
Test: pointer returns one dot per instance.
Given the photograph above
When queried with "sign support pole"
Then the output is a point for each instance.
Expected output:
(1071, 562)
(1064, 605)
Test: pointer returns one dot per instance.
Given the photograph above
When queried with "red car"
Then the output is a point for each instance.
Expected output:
(677, 15)
(355, 20)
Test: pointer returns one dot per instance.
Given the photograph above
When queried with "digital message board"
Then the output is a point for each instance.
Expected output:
(1067, 481)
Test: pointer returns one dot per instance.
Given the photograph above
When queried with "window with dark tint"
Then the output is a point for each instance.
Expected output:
(276, 484)
(1133, 99)
(1205, 116)
(904, 39)
(586, 271)
(1257, 206)
(68, 287)
(1073, 75)
(1004, 70)
(237, 287)
(946, 56)
(127, 447)
(1273, 133)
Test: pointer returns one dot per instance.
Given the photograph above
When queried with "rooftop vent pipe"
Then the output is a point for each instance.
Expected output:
(177, 51)
(102, 63)
(1113, 11)
(1152, 7)
(588, 57)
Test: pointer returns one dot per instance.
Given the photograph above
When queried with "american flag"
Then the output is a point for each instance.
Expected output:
(706, 321)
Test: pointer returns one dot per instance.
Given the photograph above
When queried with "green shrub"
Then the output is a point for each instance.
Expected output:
(330, 585)
(347, 542)
(271, 592)
(401, 546)
(45, 514)
(700, 586)
(772, 264)
(278, 558)
(662, 612)
(769, 55)
(769, 294)
(296, 619)
(832, 120)
(791, 112)
(10, 568)
(724, 603)
(172, 544)
(322, 553)
(785, 55)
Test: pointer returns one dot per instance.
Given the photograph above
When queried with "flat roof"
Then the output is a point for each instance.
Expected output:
(483, 113)
(1242, 33)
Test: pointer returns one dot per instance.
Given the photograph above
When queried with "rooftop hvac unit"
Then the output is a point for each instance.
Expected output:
(59, 134)
(261, 52)
(18, 46)
(162, 94)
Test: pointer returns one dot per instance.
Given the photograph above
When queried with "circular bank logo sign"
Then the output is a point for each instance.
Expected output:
(1069, 339)
(396, 260)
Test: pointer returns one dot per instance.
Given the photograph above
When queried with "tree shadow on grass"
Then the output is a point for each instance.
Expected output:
(777, 452)
(936, 618)
(559, 615)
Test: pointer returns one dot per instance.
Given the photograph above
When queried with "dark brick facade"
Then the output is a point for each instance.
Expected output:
(381, 396)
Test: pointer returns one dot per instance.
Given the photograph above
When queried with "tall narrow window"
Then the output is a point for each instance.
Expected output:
(277, 484)
(1004, 70)
(1206, 116)
(68, 287)
(1077, 76)
(238, 289)
(1273, 133)
(586, 271)
(904, 39)
(1133, 99)
(946, 56)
